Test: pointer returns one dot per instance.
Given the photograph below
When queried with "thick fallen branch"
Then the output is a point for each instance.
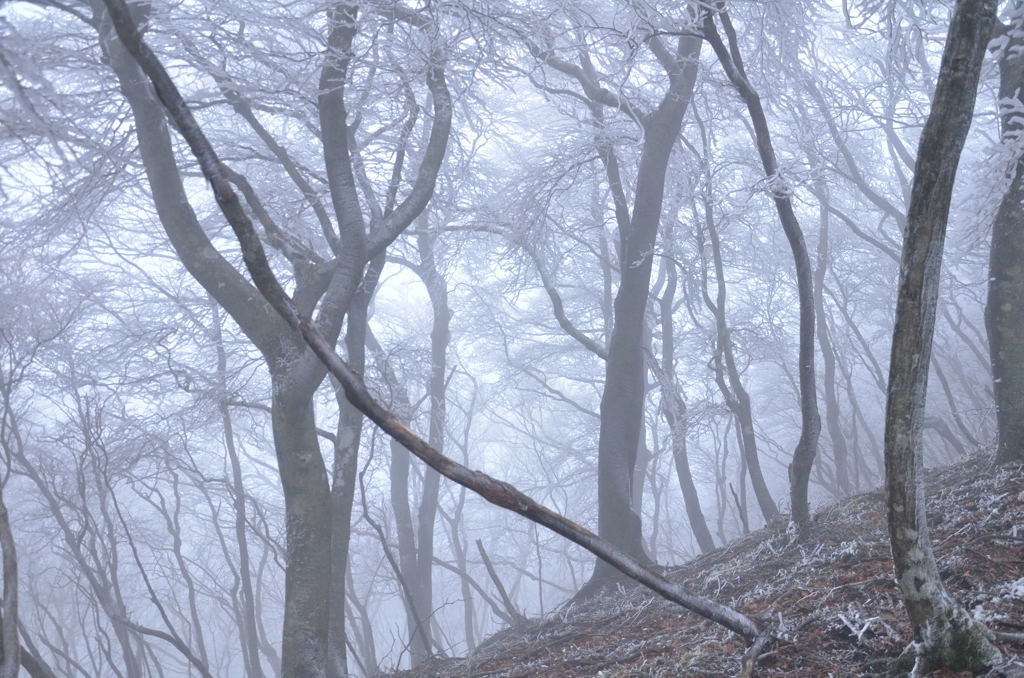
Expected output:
(495, 491)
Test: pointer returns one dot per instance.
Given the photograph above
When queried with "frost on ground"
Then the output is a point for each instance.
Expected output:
(832, 597)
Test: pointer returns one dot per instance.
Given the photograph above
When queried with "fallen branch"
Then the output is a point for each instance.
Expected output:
(754, 653)
(495, 491)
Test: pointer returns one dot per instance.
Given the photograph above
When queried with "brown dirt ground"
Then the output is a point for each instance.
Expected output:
(832, 596)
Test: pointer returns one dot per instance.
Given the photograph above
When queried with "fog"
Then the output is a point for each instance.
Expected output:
(637, 259)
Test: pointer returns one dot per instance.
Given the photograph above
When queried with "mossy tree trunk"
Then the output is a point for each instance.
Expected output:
(945, 635)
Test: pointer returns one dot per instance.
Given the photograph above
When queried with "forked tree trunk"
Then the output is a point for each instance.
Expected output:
(622, 400)
(303, 476)
(295, 371)
(945, 634)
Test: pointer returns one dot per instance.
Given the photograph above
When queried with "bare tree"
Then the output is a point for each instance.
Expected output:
(632, 329)
(673, 408)
(810, 421)
(623, 395)
(328, 286)
(945, 634)
(724, 362)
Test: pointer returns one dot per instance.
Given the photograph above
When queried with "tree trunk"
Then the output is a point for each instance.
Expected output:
(736, 397)
(298, 453)
(247, 631)
(440, 336)
(945, 634)
(624, 387)
(344, 471)
(295, 371)
(1004, 311)
(35, 667)
(810, 421)
(840, 451)
(673, 408)
(10, 647)
(307, 509)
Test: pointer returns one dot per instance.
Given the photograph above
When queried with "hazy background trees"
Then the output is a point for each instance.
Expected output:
(144, 493)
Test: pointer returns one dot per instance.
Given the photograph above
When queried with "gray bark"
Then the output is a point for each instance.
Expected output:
(248, 623)
(307, 504)
(728, 378)
(673, 408)
(440, 336)
(35, 667)
(810, 421)
(416, 538)
(624, 386)
(1004, 311)
(343, 474)
(10, 646)
(298, 453)
(945, 634)
(840, 450)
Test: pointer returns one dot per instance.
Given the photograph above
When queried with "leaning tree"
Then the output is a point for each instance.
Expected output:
(945, 634)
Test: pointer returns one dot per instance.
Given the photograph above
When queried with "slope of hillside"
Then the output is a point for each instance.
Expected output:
(832, 596)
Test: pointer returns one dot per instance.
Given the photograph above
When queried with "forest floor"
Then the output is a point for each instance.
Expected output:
(832, 596)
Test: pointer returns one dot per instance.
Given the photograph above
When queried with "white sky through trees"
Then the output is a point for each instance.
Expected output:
(116, 468)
